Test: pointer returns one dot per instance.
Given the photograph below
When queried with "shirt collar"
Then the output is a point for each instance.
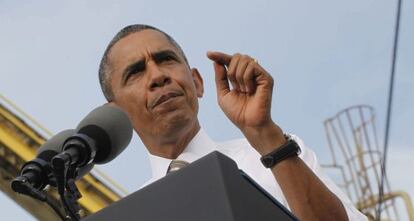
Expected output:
(198, 147)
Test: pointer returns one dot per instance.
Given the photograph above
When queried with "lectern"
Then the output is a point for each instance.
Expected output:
(209, 189)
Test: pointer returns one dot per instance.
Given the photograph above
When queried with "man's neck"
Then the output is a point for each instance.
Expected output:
(172, 146)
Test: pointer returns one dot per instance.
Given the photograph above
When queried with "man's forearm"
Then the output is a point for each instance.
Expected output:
(307, 196)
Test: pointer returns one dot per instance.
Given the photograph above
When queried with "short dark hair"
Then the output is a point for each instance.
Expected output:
(104, 69)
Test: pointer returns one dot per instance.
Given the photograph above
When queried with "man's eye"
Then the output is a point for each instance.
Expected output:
(167, 58)
(133, 74)
(136, 71)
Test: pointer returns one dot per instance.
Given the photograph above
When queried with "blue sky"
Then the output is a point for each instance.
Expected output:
(324, 56)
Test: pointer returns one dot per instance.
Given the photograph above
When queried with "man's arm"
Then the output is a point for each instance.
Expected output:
(307, 196)
(248, 106)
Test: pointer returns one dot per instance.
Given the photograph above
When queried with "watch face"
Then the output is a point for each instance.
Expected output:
(267, 161)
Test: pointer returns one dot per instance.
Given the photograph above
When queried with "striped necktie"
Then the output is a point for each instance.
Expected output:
(176, 165)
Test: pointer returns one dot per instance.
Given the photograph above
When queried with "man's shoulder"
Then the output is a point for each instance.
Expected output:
(242, 143)
(233, 145)
(237, 149)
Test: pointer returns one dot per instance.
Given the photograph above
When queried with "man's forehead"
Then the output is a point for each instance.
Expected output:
(139, 44)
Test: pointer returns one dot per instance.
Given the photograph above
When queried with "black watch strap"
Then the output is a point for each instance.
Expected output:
(289, 149)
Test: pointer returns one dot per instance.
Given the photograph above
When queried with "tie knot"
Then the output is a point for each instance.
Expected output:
(176, 165)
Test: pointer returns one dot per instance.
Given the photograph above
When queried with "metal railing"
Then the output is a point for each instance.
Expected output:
(355, 152)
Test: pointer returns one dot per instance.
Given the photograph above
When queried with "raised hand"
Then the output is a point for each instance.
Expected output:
(248, 102)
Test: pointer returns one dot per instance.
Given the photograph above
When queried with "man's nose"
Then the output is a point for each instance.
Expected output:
(158, 77)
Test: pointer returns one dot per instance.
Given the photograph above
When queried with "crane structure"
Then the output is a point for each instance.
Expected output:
(19, 142)
(356, 160)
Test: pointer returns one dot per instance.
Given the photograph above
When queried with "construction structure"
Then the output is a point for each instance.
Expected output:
(19, 141)
(356, 160)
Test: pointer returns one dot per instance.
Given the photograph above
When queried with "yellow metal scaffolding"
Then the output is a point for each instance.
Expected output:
(354, 147)
(19, 142)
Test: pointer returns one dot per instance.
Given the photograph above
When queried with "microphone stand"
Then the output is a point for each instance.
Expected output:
(78, 152)
(64, 179)
(67, 189)
(27, 189)
(23, 183)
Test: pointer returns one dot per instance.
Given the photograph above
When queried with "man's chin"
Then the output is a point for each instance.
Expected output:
(172, 122)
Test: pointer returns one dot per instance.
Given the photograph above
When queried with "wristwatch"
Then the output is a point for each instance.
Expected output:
(289, 149)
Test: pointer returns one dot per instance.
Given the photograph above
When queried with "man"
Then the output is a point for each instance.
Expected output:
(145, 72)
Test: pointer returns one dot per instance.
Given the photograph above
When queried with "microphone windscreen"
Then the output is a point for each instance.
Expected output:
(110, 128)
(54, 145)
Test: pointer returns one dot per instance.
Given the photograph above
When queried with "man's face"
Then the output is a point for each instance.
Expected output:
(151, 81)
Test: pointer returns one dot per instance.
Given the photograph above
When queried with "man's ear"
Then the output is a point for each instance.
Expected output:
(198, 82)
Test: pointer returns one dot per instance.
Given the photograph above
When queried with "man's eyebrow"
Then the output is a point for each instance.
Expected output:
(161, 55)
(140, 64)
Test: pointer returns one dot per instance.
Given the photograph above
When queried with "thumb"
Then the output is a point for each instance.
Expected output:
(222, 83)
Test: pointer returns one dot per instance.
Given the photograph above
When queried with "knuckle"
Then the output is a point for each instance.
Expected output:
(237, 55)
(245, 60)
(235, 58)
(246, 57)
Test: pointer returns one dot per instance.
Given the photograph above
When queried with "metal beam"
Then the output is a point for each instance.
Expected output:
(20, 142)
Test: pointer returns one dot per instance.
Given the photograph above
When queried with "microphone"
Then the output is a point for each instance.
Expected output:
(99, 138)
(38, 172)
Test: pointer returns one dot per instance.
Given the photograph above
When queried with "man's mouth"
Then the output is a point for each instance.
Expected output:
(165, 97)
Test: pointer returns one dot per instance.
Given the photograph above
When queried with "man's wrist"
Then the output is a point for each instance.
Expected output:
(265, 139)
(287, 150)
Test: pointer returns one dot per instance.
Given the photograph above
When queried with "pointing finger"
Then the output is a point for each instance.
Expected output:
(219, 57)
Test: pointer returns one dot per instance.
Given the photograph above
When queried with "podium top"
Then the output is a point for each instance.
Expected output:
(211, 188)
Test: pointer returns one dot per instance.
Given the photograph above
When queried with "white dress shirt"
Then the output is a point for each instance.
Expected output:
(248, 160)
